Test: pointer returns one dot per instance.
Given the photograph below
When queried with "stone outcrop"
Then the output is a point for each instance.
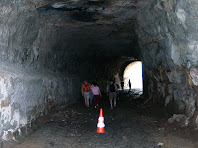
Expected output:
(167, 37)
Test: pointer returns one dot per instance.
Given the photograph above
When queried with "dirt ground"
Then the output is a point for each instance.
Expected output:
(127, 126)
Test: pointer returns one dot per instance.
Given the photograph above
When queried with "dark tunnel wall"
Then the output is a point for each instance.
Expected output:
(44, 57)
(32, 55)
(48, 48)
(167, 37)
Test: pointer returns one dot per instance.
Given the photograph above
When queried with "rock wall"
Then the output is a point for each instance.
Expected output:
(168, 38)
(33, 40)
(26, 95)
(33, 57)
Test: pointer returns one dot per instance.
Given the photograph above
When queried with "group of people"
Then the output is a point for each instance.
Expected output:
(122, 84)
(92, 92)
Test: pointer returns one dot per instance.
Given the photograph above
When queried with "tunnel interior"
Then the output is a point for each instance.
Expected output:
(49, 47)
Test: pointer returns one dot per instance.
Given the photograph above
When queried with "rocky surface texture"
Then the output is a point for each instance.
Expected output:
(47, 47)
(32, 59)
(26, 95)
(166, 33)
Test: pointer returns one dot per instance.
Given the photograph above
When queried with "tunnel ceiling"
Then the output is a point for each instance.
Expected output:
(100, 11)
(103, 28)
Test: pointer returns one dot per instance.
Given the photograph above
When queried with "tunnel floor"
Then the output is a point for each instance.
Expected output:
(127, 126)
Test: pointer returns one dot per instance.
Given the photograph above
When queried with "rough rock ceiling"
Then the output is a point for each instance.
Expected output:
(100, 11)
(104, 25)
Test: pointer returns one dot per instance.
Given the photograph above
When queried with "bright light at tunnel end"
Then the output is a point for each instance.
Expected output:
(133, 72)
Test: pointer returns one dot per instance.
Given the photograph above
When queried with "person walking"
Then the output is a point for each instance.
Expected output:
(91, 95)
(96, 94)
(122, 85)
(118, 87)
(85, 88)
(112, 93)
(129, 85)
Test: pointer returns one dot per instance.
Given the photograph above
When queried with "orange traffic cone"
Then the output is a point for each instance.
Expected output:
(100, 125)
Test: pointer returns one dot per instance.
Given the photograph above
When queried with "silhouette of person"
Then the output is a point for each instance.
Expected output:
(129, 85)
(122, 85)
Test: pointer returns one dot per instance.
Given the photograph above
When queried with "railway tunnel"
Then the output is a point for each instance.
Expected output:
(48, 47)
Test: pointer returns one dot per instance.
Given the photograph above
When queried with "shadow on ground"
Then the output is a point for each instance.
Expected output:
(129, 125)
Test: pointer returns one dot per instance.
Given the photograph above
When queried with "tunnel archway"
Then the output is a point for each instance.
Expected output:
(133, 72)
(49, 47)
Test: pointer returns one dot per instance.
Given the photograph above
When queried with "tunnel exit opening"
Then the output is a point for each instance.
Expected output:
(133, 72)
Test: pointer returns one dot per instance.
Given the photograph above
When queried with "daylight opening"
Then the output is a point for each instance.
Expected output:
(133, 72)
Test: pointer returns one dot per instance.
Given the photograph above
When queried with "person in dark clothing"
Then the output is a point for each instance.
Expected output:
(129, 85)
(117, 86)
(122, 85)
(112, 93)
(117, 97)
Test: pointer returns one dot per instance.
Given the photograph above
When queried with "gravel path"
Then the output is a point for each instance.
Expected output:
(75, 127)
